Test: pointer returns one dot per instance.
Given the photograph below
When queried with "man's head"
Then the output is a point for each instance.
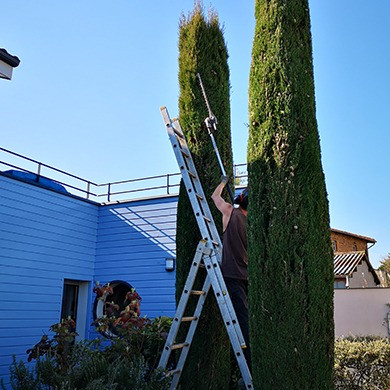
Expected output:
(242, 199)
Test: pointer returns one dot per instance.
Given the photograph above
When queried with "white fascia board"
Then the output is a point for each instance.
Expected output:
(5, 70)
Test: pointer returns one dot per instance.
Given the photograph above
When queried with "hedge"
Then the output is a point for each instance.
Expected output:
(362, 363)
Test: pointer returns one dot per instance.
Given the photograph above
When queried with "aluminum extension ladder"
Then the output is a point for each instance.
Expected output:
(209, 255)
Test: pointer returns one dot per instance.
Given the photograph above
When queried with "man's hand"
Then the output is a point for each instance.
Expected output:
(224, 179)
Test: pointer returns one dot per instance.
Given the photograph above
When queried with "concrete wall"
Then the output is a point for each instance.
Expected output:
(361, 312)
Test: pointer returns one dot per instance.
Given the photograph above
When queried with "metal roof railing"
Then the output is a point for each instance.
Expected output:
(160, 185)
(69, 181)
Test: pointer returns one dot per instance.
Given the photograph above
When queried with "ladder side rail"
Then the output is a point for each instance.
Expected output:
(202, 224)
(191, 332)
(212, 270)
(214, 234)
(193, 188)
(228, 302)
(182, 304)
(187, 165)
(230, 322)
(198, 187)
(209, 232)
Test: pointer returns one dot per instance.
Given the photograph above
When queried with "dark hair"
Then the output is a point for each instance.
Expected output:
(242, 199)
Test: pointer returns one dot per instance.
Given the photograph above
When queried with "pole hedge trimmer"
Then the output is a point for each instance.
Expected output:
(211, 124)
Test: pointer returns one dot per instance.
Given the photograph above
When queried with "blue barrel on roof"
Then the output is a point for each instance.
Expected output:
(34, 178)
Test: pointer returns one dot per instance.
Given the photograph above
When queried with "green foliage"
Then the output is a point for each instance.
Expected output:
(132, 334)
(202, 49)
(128, 362)
(289, 250)
(144, 339)
(362, 364)
(21, 377)
(385, 267)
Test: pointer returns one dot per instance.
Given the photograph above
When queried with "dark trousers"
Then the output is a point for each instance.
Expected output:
(238, 292)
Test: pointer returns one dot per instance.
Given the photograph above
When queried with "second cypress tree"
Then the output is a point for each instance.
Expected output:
(290, 255)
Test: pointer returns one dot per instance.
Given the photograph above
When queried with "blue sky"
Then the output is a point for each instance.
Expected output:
(93, 75)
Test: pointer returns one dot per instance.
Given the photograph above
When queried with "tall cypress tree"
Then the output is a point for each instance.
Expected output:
(290, 255)
(202, 49)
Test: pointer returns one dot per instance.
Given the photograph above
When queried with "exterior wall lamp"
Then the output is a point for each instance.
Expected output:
(170, 264)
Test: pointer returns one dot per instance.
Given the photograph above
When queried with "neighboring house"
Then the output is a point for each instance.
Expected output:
(360, 307)
(7, 63)
(349, 242)
(352, 267)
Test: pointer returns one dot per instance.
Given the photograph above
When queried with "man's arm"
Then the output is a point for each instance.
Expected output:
(224, 207)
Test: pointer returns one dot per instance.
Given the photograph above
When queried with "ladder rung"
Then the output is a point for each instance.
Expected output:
(177, 132)
(206, 218)
(173, 372)
(197, 292)
(187, 319)
(200, 197)
(215, 243)
(192, 174)
(179, 346)
(185, 154)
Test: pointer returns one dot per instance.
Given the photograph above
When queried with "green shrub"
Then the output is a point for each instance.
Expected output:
(21, 377)
(128, 362)
(145, 338)
(95, 370)
(131, 334)
(362, 363)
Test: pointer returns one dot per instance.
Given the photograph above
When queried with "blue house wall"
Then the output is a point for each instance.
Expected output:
(47, 237)
(134, 239)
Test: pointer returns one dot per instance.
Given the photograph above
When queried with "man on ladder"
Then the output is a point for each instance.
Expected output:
(234, 265)
(208, 255)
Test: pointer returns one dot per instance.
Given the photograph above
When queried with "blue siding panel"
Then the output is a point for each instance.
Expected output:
(37, 254)
(45, 237)
(31, 220)
(39, 264)
(134, 239)
(47, 233)
(10, 287)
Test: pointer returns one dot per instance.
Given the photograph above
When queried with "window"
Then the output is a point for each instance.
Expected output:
(339, 283)
(334, 245)
(354, 247)
(70, 300)
(74, 304)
